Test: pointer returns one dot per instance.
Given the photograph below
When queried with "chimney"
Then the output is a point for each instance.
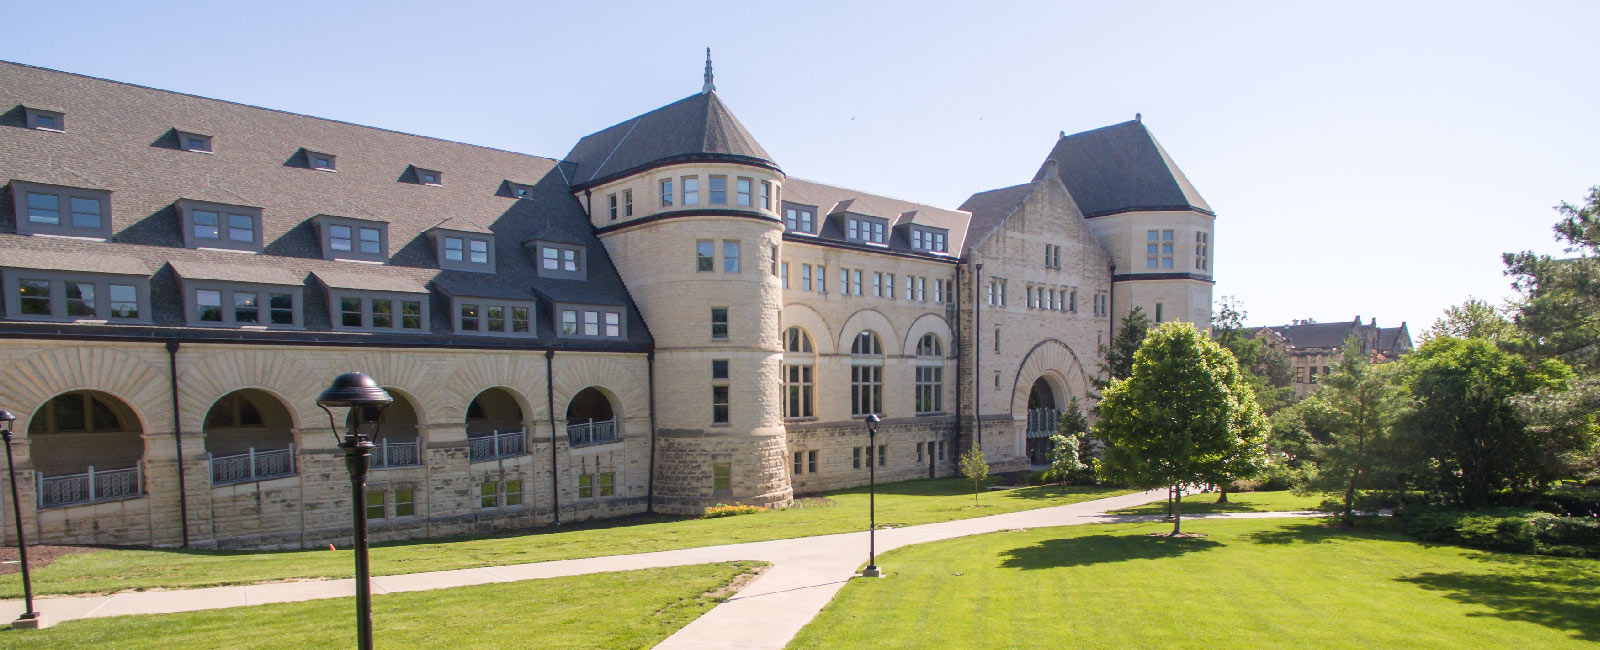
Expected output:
(1052, 168)
(1063, 134)
(1138, 117)
(1374, 321)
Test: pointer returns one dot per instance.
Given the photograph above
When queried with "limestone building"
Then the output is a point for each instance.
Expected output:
(1316, 348)
(661, 319)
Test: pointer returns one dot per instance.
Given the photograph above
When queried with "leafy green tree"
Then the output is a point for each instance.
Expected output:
(1473, 319)
(1298, 429)
(1184, 415)
(1268, 370)
(1069, 445)
(1362, 402)
(975, 468)
(1560, 302)
(1463, 419)
(1118, 356)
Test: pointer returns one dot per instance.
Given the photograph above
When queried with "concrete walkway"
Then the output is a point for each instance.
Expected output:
(805, 574)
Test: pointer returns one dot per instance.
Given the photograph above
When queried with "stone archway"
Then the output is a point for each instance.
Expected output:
(87, 446)
(591, 418)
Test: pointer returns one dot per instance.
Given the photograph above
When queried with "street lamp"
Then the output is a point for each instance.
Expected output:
(29, 620)
(872, 570)
(357, 391)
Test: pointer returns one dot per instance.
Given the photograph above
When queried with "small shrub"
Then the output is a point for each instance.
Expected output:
(1516, 530)
(722, 510)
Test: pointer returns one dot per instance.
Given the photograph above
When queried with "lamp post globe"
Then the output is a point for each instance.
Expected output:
(873, 455)
(29, 619)
(357, 391)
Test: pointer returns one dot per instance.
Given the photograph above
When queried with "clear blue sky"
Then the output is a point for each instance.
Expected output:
(1363, 158)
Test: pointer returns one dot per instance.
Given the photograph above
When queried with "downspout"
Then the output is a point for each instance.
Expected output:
(956, 300)
(177, 434)
(650, 480)
(977, 356)
(1111, 309)
(550, 401)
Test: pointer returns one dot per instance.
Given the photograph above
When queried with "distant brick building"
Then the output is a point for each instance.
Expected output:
(1316, 348)
(660, 319)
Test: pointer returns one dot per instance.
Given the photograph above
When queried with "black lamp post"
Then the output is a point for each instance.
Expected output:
(29, 619)
(872, 570)
(357, 391)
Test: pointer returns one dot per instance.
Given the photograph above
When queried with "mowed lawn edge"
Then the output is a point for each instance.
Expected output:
(1265, 501)
(1247, 583)
(898, 504)
(625, 609)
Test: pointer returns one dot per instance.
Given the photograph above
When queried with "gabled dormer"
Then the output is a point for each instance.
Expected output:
(462, 245)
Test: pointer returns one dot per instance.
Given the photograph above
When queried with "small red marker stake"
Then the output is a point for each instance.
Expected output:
(331, 548)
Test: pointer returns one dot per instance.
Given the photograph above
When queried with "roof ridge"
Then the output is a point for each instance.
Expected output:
(276, 110)
(885, 196)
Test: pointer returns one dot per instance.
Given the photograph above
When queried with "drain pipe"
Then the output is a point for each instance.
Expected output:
(550, 401)
(959, 352)
(650, 480)
(177, 434)
(977, 355)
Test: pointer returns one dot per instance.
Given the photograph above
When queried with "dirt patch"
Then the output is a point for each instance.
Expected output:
(1177, 535)
(38, 556)
(738, 582)
(814, 502)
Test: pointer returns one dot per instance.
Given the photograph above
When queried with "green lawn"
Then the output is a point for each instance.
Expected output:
(1194, 504)
(629, 609)
(1246, 584)
(899, 504)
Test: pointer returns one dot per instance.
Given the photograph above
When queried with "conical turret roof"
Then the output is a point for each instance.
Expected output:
(696, 128)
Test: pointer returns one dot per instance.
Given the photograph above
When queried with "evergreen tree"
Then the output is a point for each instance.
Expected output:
(1069, 446)
(1117, 358)
(1362, 403)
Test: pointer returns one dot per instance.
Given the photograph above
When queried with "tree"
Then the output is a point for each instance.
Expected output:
(1462, 416)
(1068, 447)
(1560, 304)
(1268, 369)
(1183, 415)
(1361, 400)
(1118, 356)
(1298, 429)
(975, 468)
(1473, 319)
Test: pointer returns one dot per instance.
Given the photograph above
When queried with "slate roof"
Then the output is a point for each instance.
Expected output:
(1121, 168)
(834, 200)
(1317, 335)
(699, 126)
(118, 138)
(990, 209)
(1390, 339)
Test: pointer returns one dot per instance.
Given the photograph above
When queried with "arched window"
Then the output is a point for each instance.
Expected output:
(494, 426)
(930, 375)
(866, 374)
(248, 438)
(799, 374)
(590, 418)
(86, 447)
(398, 444)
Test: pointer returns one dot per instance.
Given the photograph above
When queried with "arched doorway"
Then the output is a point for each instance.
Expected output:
(86, 446)
(1043, 412)
(494, 425)
(248, 438)
(394, 435)
(590, 419)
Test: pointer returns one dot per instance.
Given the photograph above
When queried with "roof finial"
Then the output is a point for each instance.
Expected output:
(708, 87)
(1137, 117)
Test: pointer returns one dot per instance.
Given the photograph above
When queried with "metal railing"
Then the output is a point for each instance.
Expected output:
(496, 445)
(591, 433)
(1042, 422)
(252, 466)
(395, 454)
(91, 486)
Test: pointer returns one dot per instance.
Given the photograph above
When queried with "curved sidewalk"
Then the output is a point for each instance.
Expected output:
(804, 575)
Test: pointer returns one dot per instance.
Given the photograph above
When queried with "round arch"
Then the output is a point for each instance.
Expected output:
(79, 429)
(245, 419)
(495, 409)
(1059, 365)
(867, 319)
(207, 379)
(139, 385)
(509, 372)
(928, 324)
(809, 319)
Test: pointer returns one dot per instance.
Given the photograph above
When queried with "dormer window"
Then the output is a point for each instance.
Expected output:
(864, 229)
(928, 240)
(195, 142)
(558, 260)
(428, 176)
(319, 160)
(216, 225)
(519, 191)
(344, 238)
(463, 249)
(799, 218)
(46, 120)
(58, 210)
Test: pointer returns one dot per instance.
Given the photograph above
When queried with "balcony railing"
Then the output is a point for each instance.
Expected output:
(591, 433)
(496, 445)
(395, 454)
(1042, 422)
(91, 486)
(252, 466)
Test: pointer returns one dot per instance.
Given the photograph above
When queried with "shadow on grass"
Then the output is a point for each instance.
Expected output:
(1102, 549)
(959, 486)
(1189, 508)
(1545, 597)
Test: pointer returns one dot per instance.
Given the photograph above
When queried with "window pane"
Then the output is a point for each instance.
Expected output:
(375, 504)
(469, 317)
(480, 251)
(44, 208)
(369, 241)
(730, 257)
(244, 307)
(35, 297)
(591, 323)
(613, 324)
(241, 228)
(404, 505)
(339, 238)
(513, 493)
(282, 305)
(205, 224)
(411, 314)
(519, 319)
(85, 213)
(382, 313)
(452, 249)
(487, 494)
(552, 258)
(569, 322)
(497, 318)
(704, 256)
(691, 190)
(209, 305)
(350, 312)
(569, 260)
(80, 299)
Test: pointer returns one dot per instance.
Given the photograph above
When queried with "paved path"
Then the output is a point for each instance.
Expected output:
(805, 574)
